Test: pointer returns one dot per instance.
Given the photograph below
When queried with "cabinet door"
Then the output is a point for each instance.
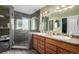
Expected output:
(35, 43)
(41, 48)
(63, 51)
(50, 51)
(41, 38)
(50, 46)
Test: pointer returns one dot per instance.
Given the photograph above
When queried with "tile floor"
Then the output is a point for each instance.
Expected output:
(20, 52)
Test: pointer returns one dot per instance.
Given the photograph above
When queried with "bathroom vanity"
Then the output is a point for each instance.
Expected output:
(55, 44)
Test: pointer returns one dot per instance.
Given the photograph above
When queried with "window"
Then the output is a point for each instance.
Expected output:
(33, 24)
(22, 23)
(25, 23)
(18, 24)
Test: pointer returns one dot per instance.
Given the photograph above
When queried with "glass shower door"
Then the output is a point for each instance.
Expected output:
(21, 32)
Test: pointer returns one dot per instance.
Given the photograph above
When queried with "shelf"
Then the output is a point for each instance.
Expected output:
(4, 28)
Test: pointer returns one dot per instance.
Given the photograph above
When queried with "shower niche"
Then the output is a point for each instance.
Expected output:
(4, 20)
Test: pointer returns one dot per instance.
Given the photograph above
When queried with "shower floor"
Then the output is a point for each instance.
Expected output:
(21, 43)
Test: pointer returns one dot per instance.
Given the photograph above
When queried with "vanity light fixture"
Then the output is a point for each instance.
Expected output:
(44, 13)
(63, 9)
(68, 7)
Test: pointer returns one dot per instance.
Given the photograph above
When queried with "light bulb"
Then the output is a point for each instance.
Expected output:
(45, 12)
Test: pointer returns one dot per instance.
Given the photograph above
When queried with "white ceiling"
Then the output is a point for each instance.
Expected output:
(28, 9)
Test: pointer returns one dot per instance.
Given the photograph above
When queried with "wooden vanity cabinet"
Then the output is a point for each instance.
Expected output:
(46, 45)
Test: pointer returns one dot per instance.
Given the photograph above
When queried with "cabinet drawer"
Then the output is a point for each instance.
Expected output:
(50, 46)
(41, 38)
(41, 46)
(51, 41)
(49, 51)
(63, 51)
(34, 40)
(41, 42)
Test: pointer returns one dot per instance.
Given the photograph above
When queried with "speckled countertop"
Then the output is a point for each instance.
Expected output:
(60, 38)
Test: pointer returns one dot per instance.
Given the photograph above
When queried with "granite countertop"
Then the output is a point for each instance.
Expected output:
(60, 38)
